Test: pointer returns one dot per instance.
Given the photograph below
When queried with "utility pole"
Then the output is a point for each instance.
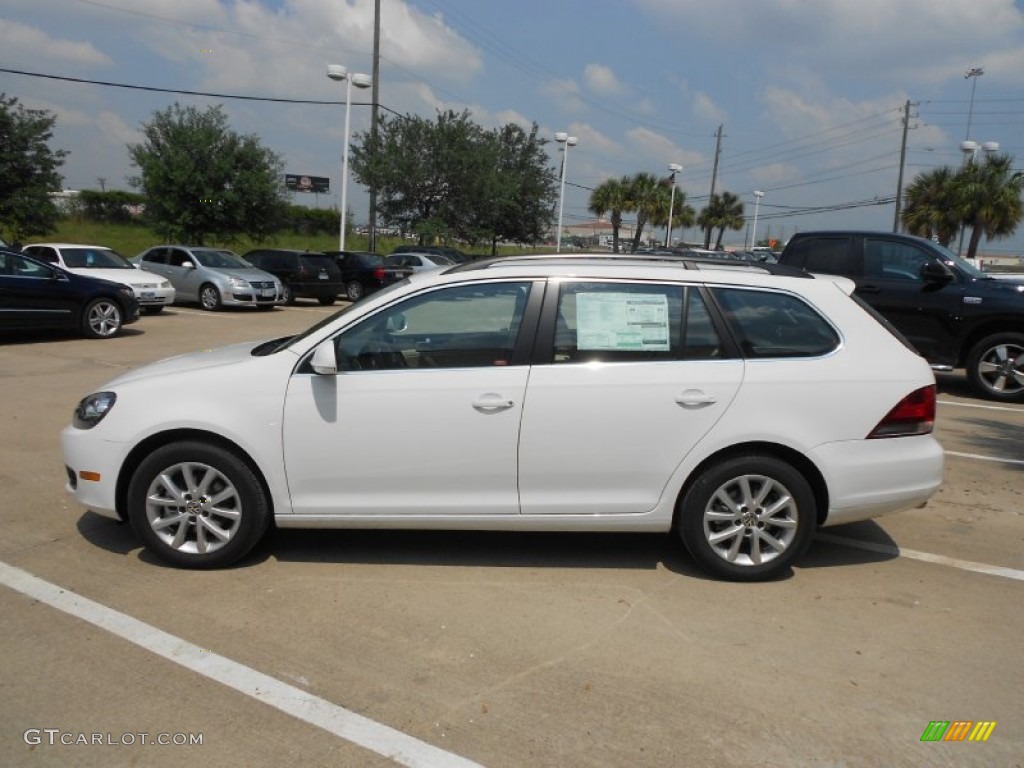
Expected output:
(372, 224)
(714, 177)
(903, 160)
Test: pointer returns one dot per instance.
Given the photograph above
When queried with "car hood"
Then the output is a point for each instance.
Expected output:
(193, 361)
(1002, 286)
(123, 276)
(246, 273)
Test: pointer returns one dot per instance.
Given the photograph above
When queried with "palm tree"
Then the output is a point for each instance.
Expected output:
(928, 208)
(723, 212)
(988, 197)
(611, 196)
(648, 198)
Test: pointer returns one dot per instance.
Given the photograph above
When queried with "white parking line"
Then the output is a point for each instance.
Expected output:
(980, 405)
(385, 741)
(980, 457)
(927, 557)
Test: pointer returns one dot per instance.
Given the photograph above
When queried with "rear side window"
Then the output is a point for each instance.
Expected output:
(769, 324)
(624, 322)
(318, 261)
(828, 255)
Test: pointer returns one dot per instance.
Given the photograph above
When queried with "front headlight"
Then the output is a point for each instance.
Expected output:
(126, 290)
(237, 282)
(165, 284)
(90, 410)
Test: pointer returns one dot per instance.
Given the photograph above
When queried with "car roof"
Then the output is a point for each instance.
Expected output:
(72, 245)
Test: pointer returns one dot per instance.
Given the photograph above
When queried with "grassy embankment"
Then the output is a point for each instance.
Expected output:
(131, 239)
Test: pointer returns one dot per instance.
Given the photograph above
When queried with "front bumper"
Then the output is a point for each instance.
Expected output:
(92, 467)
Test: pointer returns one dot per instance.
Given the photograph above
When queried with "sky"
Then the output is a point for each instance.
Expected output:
(810, 94)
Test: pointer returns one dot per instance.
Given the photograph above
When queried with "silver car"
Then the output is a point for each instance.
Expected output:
(214, 277)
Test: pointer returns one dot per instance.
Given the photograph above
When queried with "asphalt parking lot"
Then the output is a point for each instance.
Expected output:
(363, 648)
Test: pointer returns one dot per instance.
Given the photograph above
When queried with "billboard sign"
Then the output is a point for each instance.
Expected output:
(297, 183)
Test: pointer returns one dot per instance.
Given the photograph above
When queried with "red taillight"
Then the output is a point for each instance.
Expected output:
(913, 415)
(379, 273)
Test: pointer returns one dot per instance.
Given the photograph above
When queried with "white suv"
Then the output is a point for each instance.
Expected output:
(741, 406)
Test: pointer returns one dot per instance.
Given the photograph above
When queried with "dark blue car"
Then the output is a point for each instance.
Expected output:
(35, 295)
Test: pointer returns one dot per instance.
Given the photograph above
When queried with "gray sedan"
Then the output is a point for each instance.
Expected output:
(214, 277)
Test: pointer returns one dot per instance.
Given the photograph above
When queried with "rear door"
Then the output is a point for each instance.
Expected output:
(630, 378)
(34, 295)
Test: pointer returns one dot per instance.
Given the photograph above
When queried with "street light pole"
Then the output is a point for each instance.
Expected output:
(569, 141)
(338, 73)
(972, 74)
(674, 168)
(758, 194)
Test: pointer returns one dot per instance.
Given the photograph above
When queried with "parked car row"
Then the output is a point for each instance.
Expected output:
(41, 288)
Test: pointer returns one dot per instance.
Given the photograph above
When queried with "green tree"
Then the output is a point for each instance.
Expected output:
(724, 211)
(612, 197)
(28, 170)
(203, 181)
(451, 179)
(511, 196)
(647, 197)
(928, 208)
(988, 199)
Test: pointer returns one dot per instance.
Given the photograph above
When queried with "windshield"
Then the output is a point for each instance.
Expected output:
(962, 264)
(94, 258)
(220, 259)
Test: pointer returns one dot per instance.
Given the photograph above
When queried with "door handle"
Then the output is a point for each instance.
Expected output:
(491, 403)
(692, 398)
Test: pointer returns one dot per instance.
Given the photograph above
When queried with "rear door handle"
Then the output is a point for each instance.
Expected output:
(693, 398)
(491, 403)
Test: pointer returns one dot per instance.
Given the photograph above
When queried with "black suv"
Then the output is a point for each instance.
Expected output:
(364, 273)
(954, 314)
(303, 274)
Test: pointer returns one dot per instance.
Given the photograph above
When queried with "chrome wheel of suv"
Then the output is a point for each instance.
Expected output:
(996, 366)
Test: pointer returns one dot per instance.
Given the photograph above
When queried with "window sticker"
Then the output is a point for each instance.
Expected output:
(624, 321)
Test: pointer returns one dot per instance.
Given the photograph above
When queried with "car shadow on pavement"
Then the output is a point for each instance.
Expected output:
(998, 439)
(954, 383)
(495, 549)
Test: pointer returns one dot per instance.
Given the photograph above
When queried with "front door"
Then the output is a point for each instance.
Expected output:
(423, 415)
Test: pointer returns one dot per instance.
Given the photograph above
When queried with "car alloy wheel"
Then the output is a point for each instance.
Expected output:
(748, 518)
(354, 291)
(209, 297)
(287, 295)
(197, 505)
(102, 319)
(996, 367)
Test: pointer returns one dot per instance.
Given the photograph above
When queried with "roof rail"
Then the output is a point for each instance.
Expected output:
(661, 257)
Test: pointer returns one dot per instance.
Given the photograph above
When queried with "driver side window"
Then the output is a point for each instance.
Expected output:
(464, 326)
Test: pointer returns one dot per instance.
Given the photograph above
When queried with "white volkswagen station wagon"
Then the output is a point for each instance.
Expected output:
(739, 406)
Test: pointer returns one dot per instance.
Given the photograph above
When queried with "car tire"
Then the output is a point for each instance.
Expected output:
(995, 367)
(209, 297)
(152, 310)
(196, 505)
(102, 319)
(326, 301)
(287, 295)
(354, 291)
(731, 531)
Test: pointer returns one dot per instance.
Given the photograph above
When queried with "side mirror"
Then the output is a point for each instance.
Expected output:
(188, 265)
(936, 272)
(325, 359)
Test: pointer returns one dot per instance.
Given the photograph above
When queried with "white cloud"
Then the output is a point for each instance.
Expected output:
(567, 93)
(601, 80)
(706, 109)
(23, 43)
